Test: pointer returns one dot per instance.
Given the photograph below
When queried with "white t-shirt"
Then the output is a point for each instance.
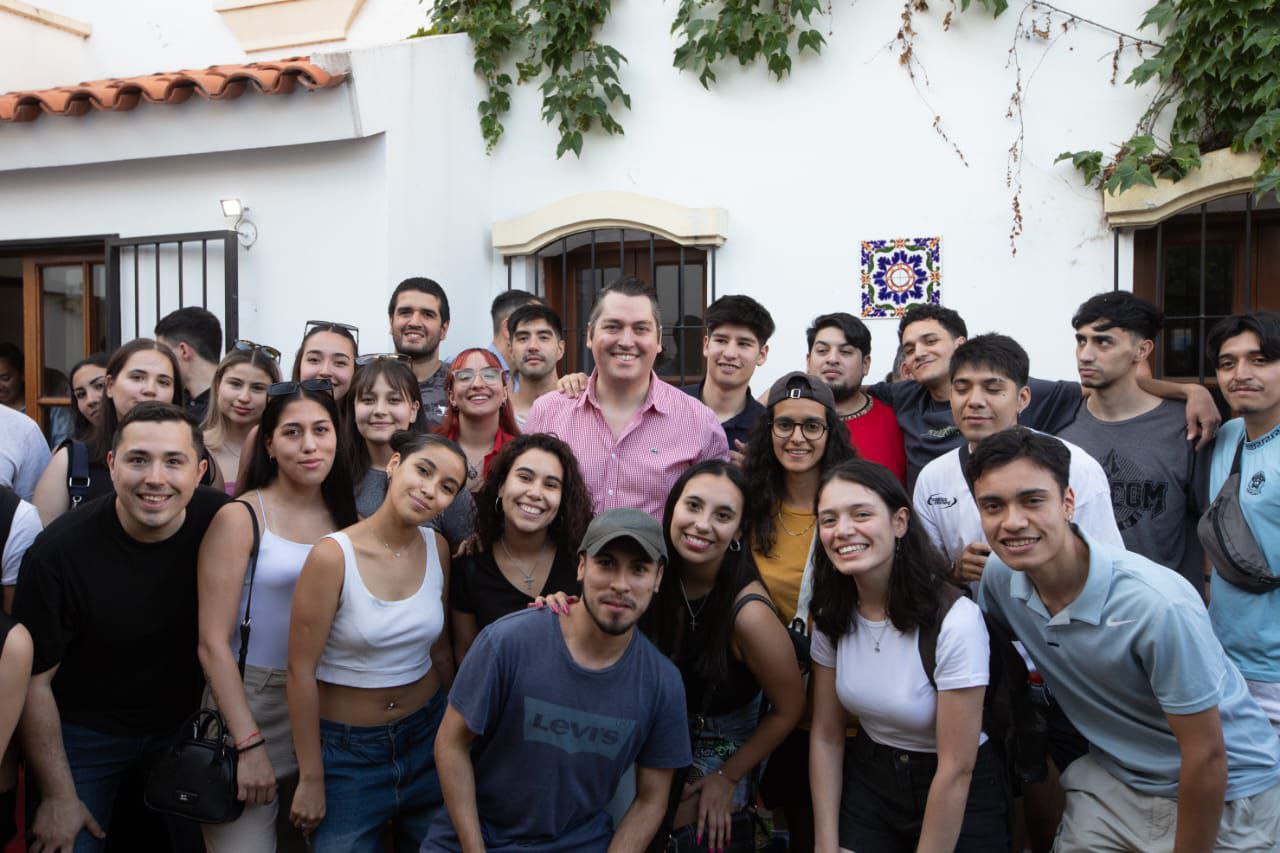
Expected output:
(26, 526)
(945, 505)
(23, 452)
(889, 691)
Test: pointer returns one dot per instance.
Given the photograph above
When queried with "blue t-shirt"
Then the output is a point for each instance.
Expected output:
(554, 738)
(1248, 623)
(1135, 645)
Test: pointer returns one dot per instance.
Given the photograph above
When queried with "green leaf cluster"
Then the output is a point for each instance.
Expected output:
(1218, 71)
(550, 39)
(746, 30)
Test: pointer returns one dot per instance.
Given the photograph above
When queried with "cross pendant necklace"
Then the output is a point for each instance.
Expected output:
(693, 614)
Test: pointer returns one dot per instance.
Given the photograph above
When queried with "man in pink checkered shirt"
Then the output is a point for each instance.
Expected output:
(632, 433)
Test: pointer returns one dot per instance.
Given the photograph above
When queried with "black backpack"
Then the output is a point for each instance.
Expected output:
(1009, 716)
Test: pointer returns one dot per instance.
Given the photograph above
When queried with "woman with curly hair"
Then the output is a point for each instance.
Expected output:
(531, 513)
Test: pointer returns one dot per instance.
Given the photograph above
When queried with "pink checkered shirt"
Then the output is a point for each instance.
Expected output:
(670, 433)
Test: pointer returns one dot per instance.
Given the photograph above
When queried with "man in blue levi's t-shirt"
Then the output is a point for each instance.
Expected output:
(547, 713)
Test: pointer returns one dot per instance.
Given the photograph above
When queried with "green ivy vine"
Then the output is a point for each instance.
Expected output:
(1217, 70)
(555, 41)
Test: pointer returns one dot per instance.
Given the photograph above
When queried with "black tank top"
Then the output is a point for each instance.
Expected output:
(731, 694)
(6, 625)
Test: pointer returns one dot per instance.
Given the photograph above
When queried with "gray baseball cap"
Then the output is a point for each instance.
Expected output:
(625, 523)
(801, 386)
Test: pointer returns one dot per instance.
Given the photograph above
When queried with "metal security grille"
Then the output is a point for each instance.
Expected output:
(1208, 262)
(147, 277)
(568, 273)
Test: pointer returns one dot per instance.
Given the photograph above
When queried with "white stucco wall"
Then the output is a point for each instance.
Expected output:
(841, 151)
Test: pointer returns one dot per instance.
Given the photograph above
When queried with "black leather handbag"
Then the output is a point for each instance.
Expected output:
(196, 777)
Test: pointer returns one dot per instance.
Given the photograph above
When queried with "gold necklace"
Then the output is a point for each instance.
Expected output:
(790, 533)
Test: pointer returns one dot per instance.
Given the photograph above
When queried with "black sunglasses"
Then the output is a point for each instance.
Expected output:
(250, 347)
(362, 360)
(283, 389)
(330, 326)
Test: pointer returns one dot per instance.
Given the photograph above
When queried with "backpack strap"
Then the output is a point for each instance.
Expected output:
(927, 638)
(9, 502)
(78, 479)
(248, 604)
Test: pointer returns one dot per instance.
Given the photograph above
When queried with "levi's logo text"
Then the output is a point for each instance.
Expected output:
(575, 731)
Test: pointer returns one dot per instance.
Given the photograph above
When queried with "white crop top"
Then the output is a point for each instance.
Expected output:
(888, 689)
(376, 643)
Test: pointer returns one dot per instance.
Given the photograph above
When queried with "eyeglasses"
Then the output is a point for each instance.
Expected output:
(489, 375)
(283, 389)
(810, 429)
(330, 326)
(252, 348)
(362, 360)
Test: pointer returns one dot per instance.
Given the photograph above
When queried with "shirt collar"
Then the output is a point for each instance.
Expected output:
(655, 398)
(1089, 603)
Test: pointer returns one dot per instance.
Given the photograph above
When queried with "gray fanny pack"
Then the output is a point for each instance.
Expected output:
(1224, 532)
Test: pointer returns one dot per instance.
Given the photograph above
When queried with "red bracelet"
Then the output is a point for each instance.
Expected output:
(248, 738)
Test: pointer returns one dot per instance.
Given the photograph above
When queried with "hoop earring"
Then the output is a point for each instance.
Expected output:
(497, 504)
(735, 545)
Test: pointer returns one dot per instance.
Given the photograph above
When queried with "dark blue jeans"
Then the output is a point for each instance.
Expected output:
(101, 764)
(375, 774)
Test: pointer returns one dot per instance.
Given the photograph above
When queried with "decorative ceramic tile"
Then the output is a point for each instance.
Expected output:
(897, 274)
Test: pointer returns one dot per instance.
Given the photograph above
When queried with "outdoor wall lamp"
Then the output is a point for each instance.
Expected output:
(246, 231)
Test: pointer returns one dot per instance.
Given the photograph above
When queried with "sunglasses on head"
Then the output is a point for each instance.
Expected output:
(283, 389)
(252, 348)
(330, 326)
(362, 360)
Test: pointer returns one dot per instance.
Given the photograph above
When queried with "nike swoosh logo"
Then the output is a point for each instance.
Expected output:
(1115, 623)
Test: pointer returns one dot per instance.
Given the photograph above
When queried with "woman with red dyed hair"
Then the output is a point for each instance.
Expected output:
(480, 418)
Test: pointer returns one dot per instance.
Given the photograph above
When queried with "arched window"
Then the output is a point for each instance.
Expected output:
(568, 252)
(1203, 248)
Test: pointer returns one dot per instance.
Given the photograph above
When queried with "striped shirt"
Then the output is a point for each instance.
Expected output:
(669, 433)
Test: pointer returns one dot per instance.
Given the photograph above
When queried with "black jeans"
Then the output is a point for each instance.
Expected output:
(885, 789)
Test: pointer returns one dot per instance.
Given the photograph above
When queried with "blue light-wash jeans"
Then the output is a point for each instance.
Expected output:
(375, 774)
(101, 764)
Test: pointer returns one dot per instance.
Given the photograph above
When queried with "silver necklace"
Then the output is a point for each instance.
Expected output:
(876, 638)
(393, 552)
(527, 576)
(693, 615)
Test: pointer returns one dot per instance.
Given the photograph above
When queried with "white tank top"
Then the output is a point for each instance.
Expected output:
(376, 643)
(279, 564)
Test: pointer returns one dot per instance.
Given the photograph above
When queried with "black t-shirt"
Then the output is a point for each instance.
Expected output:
(929, 430)
(478, 586)
(117, 616)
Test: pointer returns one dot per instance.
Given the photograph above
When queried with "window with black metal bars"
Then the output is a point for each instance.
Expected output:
(1199, 281)
(571, 271)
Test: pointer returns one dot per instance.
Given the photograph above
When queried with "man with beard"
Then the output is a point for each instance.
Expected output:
(419, 317)
(504, 305)
(1245, 350)
(537, 345)
(1156, 476)
(840, 354)
(561, 708)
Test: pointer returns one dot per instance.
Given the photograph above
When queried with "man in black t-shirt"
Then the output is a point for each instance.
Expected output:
(108, 593)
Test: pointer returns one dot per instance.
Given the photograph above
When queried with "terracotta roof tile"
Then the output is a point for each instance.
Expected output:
(217, 82)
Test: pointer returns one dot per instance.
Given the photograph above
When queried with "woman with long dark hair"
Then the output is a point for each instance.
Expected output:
(370, 661)
(236, 405)
(799, 436)
(298, 491)
(531, 514)
(141, 370)
(480, 417)
(713, 617)
(384, 399)
(87, 379)
(922, 775)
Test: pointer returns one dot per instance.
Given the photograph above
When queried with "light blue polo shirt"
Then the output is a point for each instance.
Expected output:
(1136, 645)
(1248, 624)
